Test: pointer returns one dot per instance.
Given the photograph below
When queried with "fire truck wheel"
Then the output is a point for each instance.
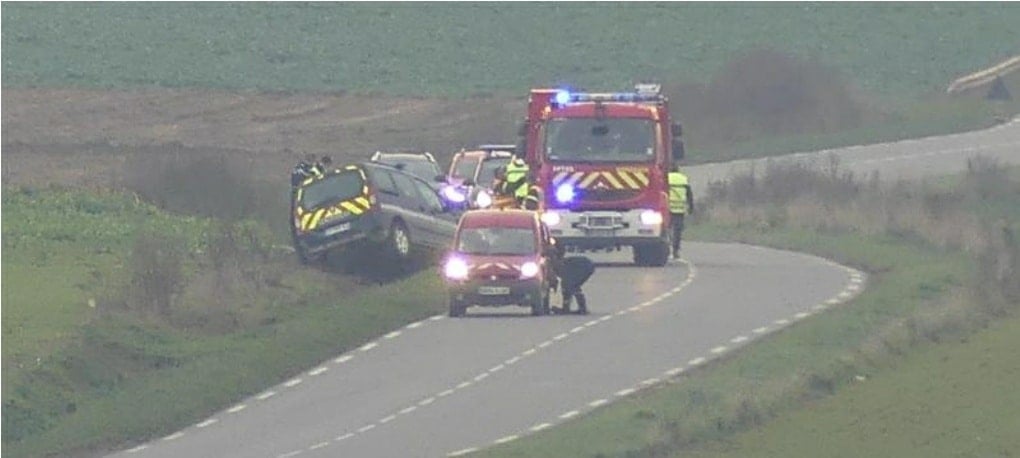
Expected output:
(651, 255)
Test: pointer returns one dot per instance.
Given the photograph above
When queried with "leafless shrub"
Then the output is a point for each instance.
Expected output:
(217, 184)
(766, 92)
(157, 273)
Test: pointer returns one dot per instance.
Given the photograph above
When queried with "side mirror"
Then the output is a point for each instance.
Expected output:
(678, 148)
(677, 129)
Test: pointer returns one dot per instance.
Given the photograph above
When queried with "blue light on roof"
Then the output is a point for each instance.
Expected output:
(562, 98)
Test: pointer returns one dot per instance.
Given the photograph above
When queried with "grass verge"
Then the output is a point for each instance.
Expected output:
(97, 353)
(928, 284)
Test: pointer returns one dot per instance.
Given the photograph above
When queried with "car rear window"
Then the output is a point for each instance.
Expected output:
(334, 188)
(488, 173)
(496, 241)
(465, 168)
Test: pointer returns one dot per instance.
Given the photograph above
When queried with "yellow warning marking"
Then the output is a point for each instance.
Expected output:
(614, 183)
(625, 176)
(588, 180)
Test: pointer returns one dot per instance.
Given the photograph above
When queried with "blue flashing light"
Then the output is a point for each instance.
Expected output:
(565, 193)
(562, 98)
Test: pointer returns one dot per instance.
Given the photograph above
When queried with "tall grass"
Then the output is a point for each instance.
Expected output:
(943, 262)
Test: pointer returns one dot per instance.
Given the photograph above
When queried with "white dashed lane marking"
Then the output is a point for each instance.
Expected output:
(718, 349)
(318, 371)
(368, 346)
(506, 439)
(293, 382)
(738, 339)
(318, 446)
(236, 408)
(760, 330)
(464, 451)
(344, 437)
(266, 395)
(540, 427)
(695, 361)
(174, 436)
(343, 359)
(598, 402)
(206, 423)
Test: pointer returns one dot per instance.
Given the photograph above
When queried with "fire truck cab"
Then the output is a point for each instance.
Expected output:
(602, 160)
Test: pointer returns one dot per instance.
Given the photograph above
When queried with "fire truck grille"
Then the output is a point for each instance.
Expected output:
(606, 195)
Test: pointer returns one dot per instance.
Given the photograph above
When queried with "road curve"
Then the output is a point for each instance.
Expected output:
(448, 386)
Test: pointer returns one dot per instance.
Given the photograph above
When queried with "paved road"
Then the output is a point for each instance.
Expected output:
(447, 386)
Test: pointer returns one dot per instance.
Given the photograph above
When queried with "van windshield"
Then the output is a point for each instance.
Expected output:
(334, 188)
(497, 241)
(600, 140)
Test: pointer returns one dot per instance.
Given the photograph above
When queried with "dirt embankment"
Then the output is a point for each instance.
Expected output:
(83, 137)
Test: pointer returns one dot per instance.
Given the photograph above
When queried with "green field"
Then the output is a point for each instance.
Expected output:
(463, 49)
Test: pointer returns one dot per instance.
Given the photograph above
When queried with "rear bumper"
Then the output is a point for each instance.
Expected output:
(520, 292)
(361, 228)
(604, 229)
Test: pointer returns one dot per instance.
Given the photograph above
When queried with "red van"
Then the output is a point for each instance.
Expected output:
(499, 257)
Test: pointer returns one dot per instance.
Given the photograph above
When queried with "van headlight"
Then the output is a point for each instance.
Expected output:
(456, 269)
(529, 269)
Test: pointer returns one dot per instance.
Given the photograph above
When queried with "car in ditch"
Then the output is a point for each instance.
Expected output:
(383, 208)
(421, 164)
(498, 258)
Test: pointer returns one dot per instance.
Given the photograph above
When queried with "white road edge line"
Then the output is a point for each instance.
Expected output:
(318, 371)
(540, 427)
(625, 392)
(138, 448)
(463, 451)
(506, 439)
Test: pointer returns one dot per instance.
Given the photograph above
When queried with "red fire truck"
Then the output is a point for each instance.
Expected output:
(602, 160)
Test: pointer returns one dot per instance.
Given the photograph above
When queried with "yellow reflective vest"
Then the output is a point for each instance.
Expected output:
(677, 192)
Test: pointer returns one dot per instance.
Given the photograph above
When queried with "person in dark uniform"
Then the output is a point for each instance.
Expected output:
(573, 272)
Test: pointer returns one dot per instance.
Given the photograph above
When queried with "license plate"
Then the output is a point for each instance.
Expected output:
(600, 232)
(493, 290)
(605, 221)
(338, 229)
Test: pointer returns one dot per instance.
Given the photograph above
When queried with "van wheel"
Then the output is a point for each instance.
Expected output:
(399, 241)
(457, 309)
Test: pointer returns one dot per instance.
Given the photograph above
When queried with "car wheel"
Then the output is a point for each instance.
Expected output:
(399, 241)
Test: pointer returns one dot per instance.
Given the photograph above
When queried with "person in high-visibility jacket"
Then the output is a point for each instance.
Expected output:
(515, 181)
(681, 203)
(532, 195)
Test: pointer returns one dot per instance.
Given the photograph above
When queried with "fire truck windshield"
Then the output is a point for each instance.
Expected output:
(600, 140)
